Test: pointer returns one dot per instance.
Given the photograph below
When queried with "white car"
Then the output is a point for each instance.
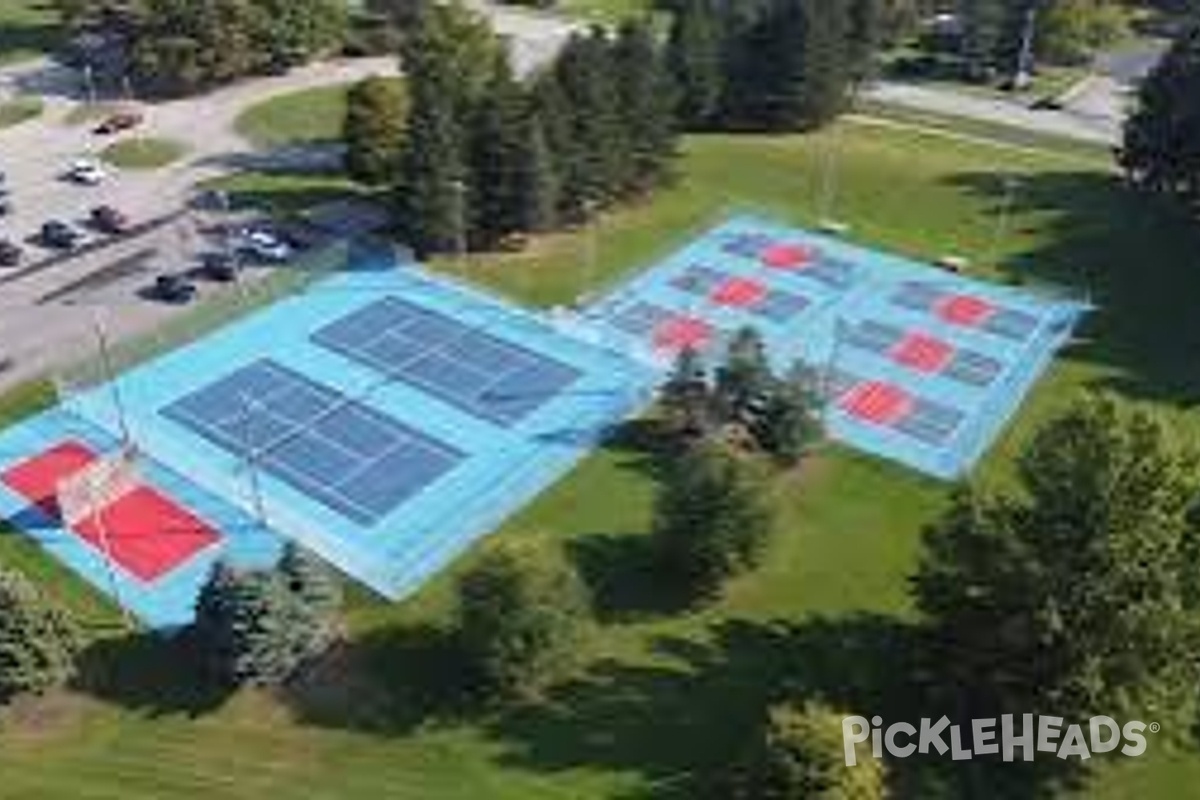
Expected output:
(264, 245)
(88, 171)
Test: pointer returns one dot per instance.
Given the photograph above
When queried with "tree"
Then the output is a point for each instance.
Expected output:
(260, 626)
(800, 756)
(1071, 31)
(38, 641)
(1069, 596)
(317, 590)
(985, 25)
(522, 614)
(1162, 138)
(712, 519)
(687, 395)
(790, 421)
(694, 59)
(498, 156)
(376, 111)
(432, 191)
(744, 380)
(645, 102)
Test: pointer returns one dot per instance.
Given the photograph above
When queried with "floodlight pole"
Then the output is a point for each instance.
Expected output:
(829, 178)
(460, 233)
(827, 373)
(1011, 184)
(260, 509)
(590, 207)
(106, 363)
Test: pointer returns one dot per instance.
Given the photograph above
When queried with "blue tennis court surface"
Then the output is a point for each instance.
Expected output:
(385, 418)
(918, 365)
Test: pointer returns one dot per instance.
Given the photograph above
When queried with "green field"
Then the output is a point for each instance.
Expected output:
(144, 152)
(308, 116)
(605, 10)
(28, 29)
(21, 109)
(664, 699)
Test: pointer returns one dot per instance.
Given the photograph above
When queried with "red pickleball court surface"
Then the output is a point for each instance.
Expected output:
(788, 256)
(877, 402)
(682, 333)
(923, 353)
(739, 293)
(148, 534)
(965, 310)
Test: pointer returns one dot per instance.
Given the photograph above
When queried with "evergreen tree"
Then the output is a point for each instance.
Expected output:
(646, 106)
(1162, 138)
(553, 118)
(694, 57)
(432, 191)
(790, 422)
(712, 519)
(376, 116)
(521, 616)
(800, 756)
(986, 24)
(541, 188)
(38, 641)
(687, 396)
(1069, 597)
(832, 61)
(499, 156)
(586, 76)
(744, 381)
(317, 591)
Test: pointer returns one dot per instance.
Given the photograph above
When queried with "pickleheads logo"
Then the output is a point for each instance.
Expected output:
(1031, 735)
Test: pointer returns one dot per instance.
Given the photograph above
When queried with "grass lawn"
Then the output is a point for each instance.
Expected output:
(144, 153)
(22, 109)
(664, 699)
(305, 117)
(605, 10)
(28, 29)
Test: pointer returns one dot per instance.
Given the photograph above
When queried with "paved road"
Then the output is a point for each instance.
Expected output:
(998, 111)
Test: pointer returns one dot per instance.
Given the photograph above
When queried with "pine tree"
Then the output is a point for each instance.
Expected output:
(790, 422)
(38, 641)
(376, 116)
(694, 58)
(318, 593)
(1161, 152)
(553, 118)
(687, 395)
(744, 381)
(432, 190)
(586, 76)
(498, 156)
(541, 188)
(712, 519)
(830, 63)
(646, 103)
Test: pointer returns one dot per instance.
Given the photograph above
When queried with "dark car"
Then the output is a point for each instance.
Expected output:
(219, 266)
(109, 220)
(173, 289)
(10, 254)
(118, 122)
(60, 235)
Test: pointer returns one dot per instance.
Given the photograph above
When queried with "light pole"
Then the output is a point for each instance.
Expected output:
(590, 207)
(1010, 183)
(459, 188)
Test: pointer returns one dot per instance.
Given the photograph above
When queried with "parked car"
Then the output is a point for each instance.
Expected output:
(174, 289)
(10, 254)
(108, 219)
(219, 266)
(123, 121)
(263, 245)
(60, 235)
(87, 171)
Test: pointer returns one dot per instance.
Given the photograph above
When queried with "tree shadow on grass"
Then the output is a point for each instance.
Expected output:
(626, 583)
(389, 681)
(1135, 256)
(150, 674)
(682, 721)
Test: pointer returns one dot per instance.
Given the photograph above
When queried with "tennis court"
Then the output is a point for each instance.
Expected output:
(919, 365)
(384, 418)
